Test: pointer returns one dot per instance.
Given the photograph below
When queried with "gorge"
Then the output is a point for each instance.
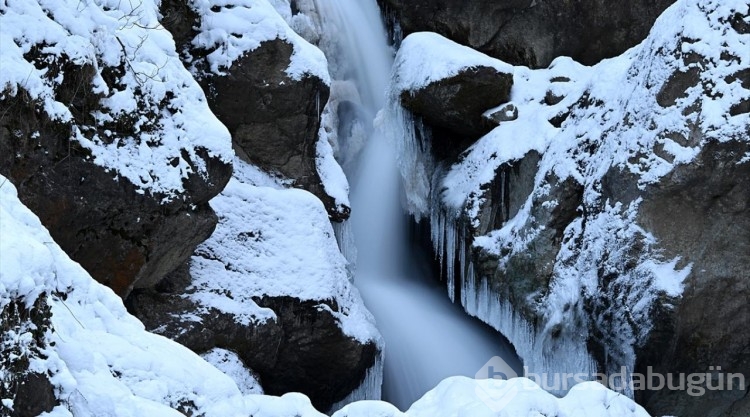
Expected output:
(179, 234)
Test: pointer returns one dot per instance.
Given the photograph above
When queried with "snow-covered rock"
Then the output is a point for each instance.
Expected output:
(450, 91)
(272, 286)
(62, 326)
(604, 221)
(107, 135)
(267, 84)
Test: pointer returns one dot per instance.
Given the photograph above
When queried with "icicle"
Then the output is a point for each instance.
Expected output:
(345, 239)
(414, 156)
(369, 389)
(542, 357)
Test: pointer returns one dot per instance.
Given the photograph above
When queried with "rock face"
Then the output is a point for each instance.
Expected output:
(274, 117)
(454, 105)
(126, 195)
(272, 286)
(125, 239)
(532, 33)
(701, 211)
(612, 214)
(302, 350)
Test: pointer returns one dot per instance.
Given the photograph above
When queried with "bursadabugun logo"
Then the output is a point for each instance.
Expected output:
(496, 396)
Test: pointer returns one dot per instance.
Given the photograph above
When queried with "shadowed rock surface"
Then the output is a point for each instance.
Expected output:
(302, 350)
(532, 32)
(454, 106)
(125, 238)
(274, 119)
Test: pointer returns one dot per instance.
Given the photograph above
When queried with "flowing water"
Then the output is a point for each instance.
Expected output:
(427, 337)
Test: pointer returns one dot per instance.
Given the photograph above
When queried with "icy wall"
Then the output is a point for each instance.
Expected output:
(579, 226)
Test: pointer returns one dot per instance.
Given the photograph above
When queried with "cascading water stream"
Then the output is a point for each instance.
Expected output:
(427, 337)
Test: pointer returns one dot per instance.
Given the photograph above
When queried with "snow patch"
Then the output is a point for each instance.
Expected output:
(426, 57)
(231, 32)
(228, 362)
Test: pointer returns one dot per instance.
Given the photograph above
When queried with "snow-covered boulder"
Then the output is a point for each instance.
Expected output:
(267, 84)
(517, 397)
(107, 136)
(604, 223)
(450, 88)
(272, 286)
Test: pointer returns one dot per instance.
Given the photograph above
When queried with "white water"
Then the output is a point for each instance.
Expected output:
(427, 337)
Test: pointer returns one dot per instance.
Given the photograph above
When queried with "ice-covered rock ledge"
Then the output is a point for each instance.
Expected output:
(605, 221)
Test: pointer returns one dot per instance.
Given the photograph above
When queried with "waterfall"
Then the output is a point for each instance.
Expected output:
(427, 337)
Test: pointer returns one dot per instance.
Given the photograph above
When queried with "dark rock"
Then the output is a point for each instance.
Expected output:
(274, 119)
(533, 33)
(507, 113)
(741, 23)
(558, 120)
(457, 104)
(123, 237)
(701, 211)
(504, 196)
(677, 85)
(551, 98)
(32, 392)
(302, 350)
(35, 396)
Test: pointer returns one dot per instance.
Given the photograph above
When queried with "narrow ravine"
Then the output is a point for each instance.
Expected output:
(427, 337)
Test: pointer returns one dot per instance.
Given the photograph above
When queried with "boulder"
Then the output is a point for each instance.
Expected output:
(457, 103)
(301, 349)
(531, 32)
(274, 118)
(272, 286)
(124, 236)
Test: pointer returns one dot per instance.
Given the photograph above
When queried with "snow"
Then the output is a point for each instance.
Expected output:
(101, 360)
(230, 364)
(274, 242)
(110, 34)
(331, 174)
(426, 57)
(232, 30)
(517, 397)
